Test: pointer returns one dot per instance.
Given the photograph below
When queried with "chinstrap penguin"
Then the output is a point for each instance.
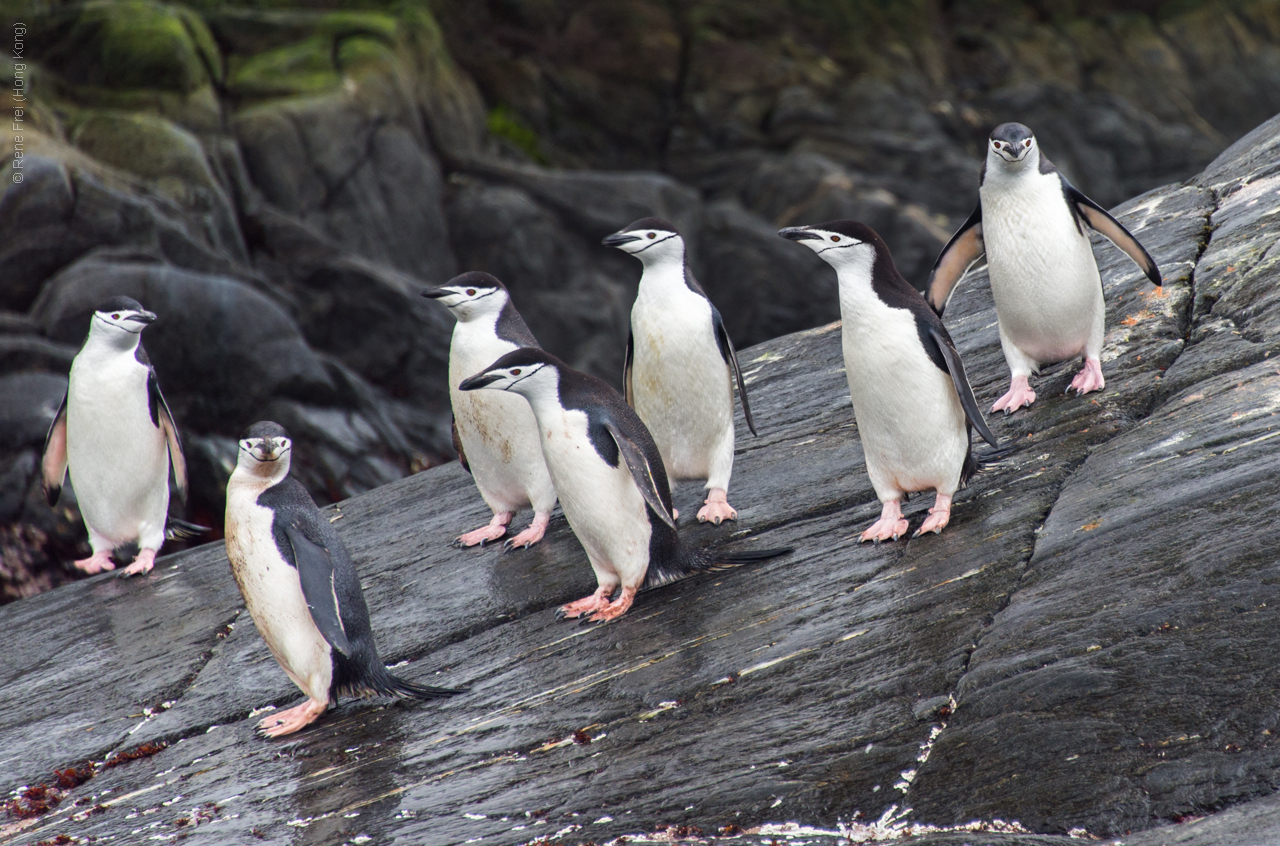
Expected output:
(610, 478)
(1030, 222)
(495, 435)
(681, 365)
(114, 433)
(911, 400)
(300, 586)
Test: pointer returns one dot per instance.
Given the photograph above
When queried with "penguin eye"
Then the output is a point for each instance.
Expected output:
(835, 237)
(652, 235)
(515, 371)
(471, 292)
(115, 317)
(1027, 143)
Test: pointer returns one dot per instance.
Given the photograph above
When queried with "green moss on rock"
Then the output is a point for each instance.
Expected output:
(304, 67)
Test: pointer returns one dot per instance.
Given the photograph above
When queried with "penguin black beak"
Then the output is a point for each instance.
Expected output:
(799, 233)
(143, 317)
(478, 381)
(617, 239)
(436, 293)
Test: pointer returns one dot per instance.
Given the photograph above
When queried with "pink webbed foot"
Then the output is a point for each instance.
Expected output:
(938, 517)
(141, 565)
(531, 535)
(587, 604)
(716, 508)
(97, 562)
(1020, 394)
(1089, 378)
(294, 719)
(891, 525)
(614, 610)
(497, 528)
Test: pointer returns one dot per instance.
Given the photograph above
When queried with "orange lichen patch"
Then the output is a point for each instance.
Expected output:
(1089, 527)
(1135, 319)
(1159, 293)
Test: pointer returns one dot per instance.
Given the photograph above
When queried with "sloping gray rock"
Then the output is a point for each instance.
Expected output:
(1086, 650)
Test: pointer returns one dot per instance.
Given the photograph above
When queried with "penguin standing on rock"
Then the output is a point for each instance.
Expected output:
(300, 586)
(1030, 222)
(911, 398)
(115, 434)
(495, 435)
(680, 365)
(611, 480)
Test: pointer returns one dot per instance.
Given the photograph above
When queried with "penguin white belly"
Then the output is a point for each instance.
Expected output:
(272, 592)
(497, 429)
(910, 420)
(1044, 278)
(680, 383)
(117, 457)
(604, 508)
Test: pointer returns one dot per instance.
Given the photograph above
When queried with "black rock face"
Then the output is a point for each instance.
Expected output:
(1085, 650)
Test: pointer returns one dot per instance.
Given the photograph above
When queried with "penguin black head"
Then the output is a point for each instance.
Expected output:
(839, 242)
(1011, 142)
(265, 450)
(649, 239)
(526, 371)
(120, 317)
(471, 295)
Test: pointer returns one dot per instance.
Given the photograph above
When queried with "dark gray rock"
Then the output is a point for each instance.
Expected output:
(28, 402)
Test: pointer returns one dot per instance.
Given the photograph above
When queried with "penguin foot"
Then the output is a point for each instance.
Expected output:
(294, 719)
(891, 525)
(938, 517)
(614, 610)
(1019, 394)
(1089, 378)
(587, 604)
(531, 535)
(716, 508)
(141, 565)
(497, 528)
(96, 563)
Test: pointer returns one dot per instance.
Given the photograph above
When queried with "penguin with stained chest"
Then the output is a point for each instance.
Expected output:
(681, 365)
(300, 586)
(495, 434)
(116, 437)
(911, 399)
(611, 480)
(1031, 224)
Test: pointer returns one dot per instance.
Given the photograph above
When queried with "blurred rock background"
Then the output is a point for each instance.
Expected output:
(278, 180)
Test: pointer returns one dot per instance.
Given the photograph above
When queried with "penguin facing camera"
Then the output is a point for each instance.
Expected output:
(681, 365)
(113, 432)
(610, 478)
(911, 399)
(1030, 222)
(495, 435)
(300, 586)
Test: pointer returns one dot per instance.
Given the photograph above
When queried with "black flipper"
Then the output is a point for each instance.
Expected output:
(457, 444)
(626, 368)
(1099, 219)
(316, 572)
(730, 358)
(54, 464)
(956, 368)
(964, 248)
(692, 562)
(641, 473)
(163, 419)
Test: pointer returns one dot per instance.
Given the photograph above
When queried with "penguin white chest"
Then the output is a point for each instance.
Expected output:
(118, 458)
(679, 380)
(604, 508)
(497, 429)
(910, 421)
(273, 594)
(1044, 278)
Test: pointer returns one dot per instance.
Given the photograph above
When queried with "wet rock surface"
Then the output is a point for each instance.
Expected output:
(1086, 649)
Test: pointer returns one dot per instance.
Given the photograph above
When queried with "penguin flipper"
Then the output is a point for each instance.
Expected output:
(731, 358)
(1100, 220)
(163, 418)
(457, 444)
(54, 463)
(317, 575)
(641, 473)
(956, 368)
(964, 248)
(626, 369)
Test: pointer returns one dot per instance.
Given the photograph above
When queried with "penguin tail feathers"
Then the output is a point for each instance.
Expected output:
(175, 529)
(693, 563)
(391, 685)
(974, 462)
